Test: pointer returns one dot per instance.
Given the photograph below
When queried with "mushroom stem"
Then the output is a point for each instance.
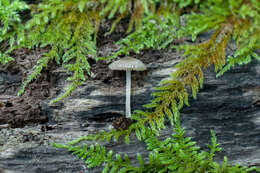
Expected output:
(128, 94)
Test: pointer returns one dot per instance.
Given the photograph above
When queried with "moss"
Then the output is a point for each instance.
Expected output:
(70, 27)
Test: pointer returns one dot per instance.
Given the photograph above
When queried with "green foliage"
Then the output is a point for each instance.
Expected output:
(185, 3)
(198, 23)
(41, 63)
(178, 154)
(122, 8)
(244, 16)
(246, 34)
(4, 58)
(10, 25)
(157, 32)
(96, 155)
(172, 94)
(174, 154)
(9, 16)
(68, 29)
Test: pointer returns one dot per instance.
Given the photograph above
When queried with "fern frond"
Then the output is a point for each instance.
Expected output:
(11, 29)
(41, 64)
(173, 154)
(137, 9)
(247, 36)
(97, 155)
(71, 36)
(9, 14)
(214, 14)
(156, 32)
(172, 94)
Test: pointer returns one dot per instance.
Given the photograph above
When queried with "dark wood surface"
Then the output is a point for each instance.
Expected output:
(229, 105)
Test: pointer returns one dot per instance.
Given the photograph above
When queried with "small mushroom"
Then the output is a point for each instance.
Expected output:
(128, 64)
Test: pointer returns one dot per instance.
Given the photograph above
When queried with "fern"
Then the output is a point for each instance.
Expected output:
(244, 18)
(172, 95)
(157, 30)
(125, 7)
(155, 33)
(9, 15)
(60, 24)
(69, 27)
(213, 14)
(224, 18)
(174, 154)
(10, 26)
(41, 64)
(247, 36)
(96, 155)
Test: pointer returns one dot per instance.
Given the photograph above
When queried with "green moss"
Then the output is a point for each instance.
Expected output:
(173, 154)
(11, 28)
(70, 27)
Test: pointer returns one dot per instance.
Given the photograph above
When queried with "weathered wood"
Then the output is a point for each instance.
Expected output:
(229, 105)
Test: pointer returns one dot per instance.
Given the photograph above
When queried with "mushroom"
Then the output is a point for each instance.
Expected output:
(128, 64)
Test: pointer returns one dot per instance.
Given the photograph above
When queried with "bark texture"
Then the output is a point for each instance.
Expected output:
(230, 105)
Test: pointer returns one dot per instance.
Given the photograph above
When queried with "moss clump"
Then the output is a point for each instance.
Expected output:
(69, 28)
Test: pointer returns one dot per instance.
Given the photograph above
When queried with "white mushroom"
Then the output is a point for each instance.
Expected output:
(128, 64)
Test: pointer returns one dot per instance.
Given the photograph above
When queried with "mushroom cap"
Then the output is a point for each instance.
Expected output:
(128, 63)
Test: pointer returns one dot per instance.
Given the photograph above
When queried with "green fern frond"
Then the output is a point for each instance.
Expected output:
(41, 64)
(157, 32)
(11, 29)
(9, 14)
(69, 28)
(97, 155)
(122, 8)
(70, 33)
(172, 94)
(247, 36)
(173, 154)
